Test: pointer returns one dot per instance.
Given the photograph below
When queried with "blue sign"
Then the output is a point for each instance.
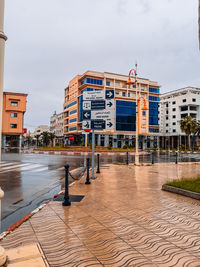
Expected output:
(98, 124)
(86, 115)
(98, 104)
(110, 94)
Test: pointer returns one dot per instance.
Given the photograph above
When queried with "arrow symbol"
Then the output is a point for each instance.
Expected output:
(86, 115)
(109, 104)
(110, 124)
(109, 94)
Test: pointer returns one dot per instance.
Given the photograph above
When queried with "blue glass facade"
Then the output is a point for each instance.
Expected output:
(125, 115)
(154, 98)
(152, 130)
(153, 113)
(154, 90)
(92, 81)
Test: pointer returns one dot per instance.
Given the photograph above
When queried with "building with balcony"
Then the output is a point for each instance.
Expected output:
(173, 107)
(125, 109)
(14, 107)
(56, 127)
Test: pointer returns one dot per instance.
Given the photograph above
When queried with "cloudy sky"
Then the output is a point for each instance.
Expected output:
(50, 41)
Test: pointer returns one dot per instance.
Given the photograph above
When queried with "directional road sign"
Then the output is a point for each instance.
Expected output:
(110, 104)
(86, 125)
(86, 115)
(86, 105)
(109, 94)
(102, 114)
(94, 95)
(110, 125)
(98, 124)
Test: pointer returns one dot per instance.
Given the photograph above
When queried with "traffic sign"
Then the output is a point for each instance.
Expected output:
(86, 115)
(102, 114)
(94, 95)
(98, 124)
(110, 104)
(109, 94)
(110, 125)
(86, 125)
(86, 105)
(98, 104)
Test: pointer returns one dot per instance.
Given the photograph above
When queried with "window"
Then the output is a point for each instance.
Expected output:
(174, 102)
(72, 129)
(154, 98)
(167, 105)
(73, 120)
(129, 94)
(73, 111)
(14, 103)
(184, 100)
(174, 109)
(143, 113)
(193, 115)
(174, 130)
(184, 108)
(107, 83)
(174, 123)
(125, 115)
(13, 126)
(117, 92)
(70, 105)
(13, 115)
(123, 93)
(166, 131)
(193, 99)
(154, 90)
(117, 84)
(174, 116)
(184, 115)
(92, 81)
(167, 112)
(167, 124)
(167, 118)
(153, 130)
(193, 108)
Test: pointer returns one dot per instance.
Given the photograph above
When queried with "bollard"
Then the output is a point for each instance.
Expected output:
(176, 159)
(88, 172)
(152, 158)
(127, 157)
(98, 163)
(66, 201)
(2, 250)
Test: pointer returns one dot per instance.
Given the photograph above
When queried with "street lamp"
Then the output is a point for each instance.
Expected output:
(129, 82)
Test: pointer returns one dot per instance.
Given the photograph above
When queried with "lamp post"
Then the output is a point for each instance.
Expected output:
(134, 71)
(3, 38)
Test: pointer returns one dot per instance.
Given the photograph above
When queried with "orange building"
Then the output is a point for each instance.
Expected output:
(14, 107)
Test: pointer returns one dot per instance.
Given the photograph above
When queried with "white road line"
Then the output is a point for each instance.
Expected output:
(40, 169)
(32, 166)
(7, 164)
(14, 167)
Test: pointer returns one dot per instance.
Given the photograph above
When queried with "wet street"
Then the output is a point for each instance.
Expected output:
(30, 179)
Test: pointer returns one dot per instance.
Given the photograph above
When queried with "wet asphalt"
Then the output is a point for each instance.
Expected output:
(30, 179)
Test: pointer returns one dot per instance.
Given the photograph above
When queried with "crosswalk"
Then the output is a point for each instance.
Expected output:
(26, 166)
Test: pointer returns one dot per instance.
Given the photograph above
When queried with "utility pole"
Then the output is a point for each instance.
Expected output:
(3, 38)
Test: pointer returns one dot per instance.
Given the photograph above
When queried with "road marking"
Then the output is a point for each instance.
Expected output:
(32, 166)
(41, 169)
(14, 167)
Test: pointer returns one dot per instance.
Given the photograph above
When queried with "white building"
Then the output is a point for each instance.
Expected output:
(56, 127)
(173, 107)
(40, 129)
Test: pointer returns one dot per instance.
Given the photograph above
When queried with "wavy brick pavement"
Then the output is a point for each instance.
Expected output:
(124, 220)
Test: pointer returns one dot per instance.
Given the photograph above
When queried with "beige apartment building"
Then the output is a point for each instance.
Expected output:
(125, 109)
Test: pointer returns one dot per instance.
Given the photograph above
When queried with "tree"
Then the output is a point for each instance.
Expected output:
(188, 126)
(37, 136)
(45, 138)
(51, 137)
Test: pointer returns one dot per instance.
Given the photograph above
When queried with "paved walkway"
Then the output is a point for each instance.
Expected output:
(123, 220)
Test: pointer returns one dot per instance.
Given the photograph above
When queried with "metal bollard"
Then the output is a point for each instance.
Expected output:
(152, 159)
(176, 159)
(66, 201)
(98, 163)
(127, 157)
(88, 172)
(2, 250)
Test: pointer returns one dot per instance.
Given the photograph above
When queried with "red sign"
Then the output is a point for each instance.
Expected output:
(87, 130)
(24, 130)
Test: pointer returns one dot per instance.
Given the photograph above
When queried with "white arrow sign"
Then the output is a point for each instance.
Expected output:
(110, 125)
(102, 114)
(94, 95)
(110, 104)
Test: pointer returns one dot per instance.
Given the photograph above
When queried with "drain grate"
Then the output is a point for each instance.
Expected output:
(72, 198)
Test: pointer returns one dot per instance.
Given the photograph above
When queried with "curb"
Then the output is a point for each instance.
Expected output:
(181, 191)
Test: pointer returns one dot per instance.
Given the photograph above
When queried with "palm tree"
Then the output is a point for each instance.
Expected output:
(37, 136)
(45, 138)
(188, 126)
(51, 137)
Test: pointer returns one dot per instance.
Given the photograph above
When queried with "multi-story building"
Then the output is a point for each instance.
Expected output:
(56, 127)
(125, 112)
(173, 107)
(14, 107)
(40, 129)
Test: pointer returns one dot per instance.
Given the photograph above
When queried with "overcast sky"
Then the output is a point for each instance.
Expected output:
(50, 41)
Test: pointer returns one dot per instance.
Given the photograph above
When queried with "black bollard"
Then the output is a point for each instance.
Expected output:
(66, 201)
(152, 158)
(127, 157)
(88, 172)
(98, 163)
(176, 160)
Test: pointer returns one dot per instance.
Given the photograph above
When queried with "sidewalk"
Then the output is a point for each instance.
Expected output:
(123, 220)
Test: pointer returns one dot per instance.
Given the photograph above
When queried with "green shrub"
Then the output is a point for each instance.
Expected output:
(109, 147)
(125, 146)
